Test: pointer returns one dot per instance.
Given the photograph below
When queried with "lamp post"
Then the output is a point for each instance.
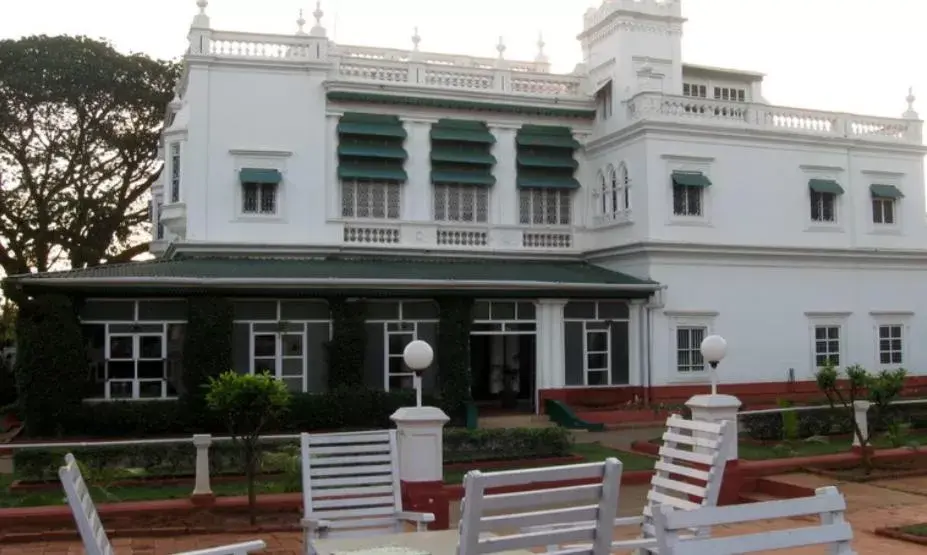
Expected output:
(418, 356)
(713, 349)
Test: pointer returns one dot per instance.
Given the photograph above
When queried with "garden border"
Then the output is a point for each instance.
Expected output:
(895, 533)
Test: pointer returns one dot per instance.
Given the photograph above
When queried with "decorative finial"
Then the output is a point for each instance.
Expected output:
(501, 48)
(201, 20)
(300, 23)
(201, 4)
(317, 29)
(910, 113)
(175, 103)
(541, 57)
(415, 39)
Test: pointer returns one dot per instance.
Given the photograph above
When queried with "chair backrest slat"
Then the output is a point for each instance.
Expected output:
(89, 525)
(671, 525)
(351, 480)
(591, 522)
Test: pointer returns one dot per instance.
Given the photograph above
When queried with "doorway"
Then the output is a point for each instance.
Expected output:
(502, 367)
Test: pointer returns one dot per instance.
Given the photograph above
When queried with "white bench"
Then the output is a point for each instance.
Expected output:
(351, 486)
(588, 518)
(828, 504)
(92, 533)
(687, 475)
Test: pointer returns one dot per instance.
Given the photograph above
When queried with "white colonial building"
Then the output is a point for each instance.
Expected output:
(604, 221)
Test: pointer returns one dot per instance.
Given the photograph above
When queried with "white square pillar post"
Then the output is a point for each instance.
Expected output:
(420, 432)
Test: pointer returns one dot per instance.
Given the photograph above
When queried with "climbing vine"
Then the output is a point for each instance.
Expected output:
(455, 321)
(348, 346)
(207, 347)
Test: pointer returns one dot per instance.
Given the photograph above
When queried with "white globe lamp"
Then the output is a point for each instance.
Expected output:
(713, 349)
(418, 355)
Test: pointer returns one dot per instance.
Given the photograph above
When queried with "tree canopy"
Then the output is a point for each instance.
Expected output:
(79, 133)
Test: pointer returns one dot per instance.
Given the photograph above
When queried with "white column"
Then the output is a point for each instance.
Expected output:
(549, 343)
(504, 204)
(861, 414)
(332, 183)
(421, 443)
(636, 348)
(201, 484)
(417, 192)
(718, 408)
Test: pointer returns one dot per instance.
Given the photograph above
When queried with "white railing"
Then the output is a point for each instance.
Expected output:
(406, 234)
(658, 106)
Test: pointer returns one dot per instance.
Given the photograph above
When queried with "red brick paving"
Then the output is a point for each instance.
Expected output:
(871, 506)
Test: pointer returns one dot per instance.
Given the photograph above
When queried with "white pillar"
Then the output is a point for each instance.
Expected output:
(421, 443)
(637, 350)
(861, 414)
(201, 484)
(550, 372)
(504, 204)
(718, 408)
(332, 183)
(417, 191)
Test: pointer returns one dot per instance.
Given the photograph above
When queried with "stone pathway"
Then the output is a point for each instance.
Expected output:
(871, 506)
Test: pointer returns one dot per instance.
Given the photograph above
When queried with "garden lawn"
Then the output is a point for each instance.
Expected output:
(753, 451)
(919, 530)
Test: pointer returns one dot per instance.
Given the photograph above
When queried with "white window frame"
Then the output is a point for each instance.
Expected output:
(544, 195)
(833, 197)
(136, 344)
(838, 320)
(611, 199)
(600, 324)
(685, 319)
(278, 355)
(276, 188)
(703, 165)
(604, 101)
(883, 202)
(158, 230)
(447, 190)
(355, 184)
(174, 181)
(894, 179)
(901, 319)
(832, 173)
(387, 332)
(266, 159)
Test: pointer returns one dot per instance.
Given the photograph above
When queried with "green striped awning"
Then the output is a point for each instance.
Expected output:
(371, 129)
(372, 151)
(361, 171)
(885, 191)
(547, 161)
(259, 175)
(547, 182)
(690, 179)
(825, 186)
(462, 156)
(461, 177)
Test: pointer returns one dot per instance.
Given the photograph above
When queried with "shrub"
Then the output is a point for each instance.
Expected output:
(506, 443)
(348, 346)
(207, 347)
(454, 355)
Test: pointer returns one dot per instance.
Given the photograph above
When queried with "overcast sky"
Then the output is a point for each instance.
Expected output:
(845, 55)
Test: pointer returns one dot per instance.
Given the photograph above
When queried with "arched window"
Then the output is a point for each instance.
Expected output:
(625, 185)
(598, 196)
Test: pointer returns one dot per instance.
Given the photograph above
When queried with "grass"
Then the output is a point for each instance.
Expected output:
(919, 530)
(820, 446)
(591, 452)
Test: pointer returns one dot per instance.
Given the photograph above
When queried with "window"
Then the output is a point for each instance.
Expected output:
(891, 344)
(392, 326)
(687, 200)
(603, 99)
(597, 349)
(545, 206)
(259, 198)
(134, 348)
(694, 90)
(728, 93)
(175, 172)
(612, 198)
(689, 349)
(461, 203)
(159, 227)
(883, 210)
(823, 207)
(370, 199)
(596, 343)
(826, 345)
(281, 354)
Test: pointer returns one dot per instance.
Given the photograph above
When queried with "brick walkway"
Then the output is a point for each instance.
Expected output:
(871, 506)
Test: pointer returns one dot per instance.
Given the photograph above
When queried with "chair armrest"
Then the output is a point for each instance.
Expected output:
(629, 521)
(314, 523)
(232, 549)
(416, 517)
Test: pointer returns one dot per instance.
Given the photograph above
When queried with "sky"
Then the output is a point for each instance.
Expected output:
(843, 55)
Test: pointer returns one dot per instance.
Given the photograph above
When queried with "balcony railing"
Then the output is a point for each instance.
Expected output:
(466, 237)
(657, 106)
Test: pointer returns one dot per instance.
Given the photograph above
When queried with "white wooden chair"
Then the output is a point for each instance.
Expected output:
(687, 475)
(833, 530)
(351, 486)
(91, 529)
(589, 521)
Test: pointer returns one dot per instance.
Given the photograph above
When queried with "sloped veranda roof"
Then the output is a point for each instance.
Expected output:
(344, 273)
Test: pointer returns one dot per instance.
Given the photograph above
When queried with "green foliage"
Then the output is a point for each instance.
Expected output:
(248, 403)
(462, 445)
(453, 356)
(207, 347)
(790, 424)
(51, 369)
(348, 347)
(79, 133)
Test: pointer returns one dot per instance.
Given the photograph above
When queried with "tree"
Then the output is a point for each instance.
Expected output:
(79, 133)
(879, 389)
(248, 403)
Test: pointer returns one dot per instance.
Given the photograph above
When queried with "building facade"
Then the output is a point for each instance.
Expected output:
(603, 221)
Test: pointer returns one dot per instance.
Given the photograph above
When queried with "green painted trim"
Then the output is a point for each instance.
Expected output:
(546, 182)
(371, 129)
(825, 186)
(885, 191)
(385, 173)
(690, 179)
(462, 135)
(546, 140)
(259, 175)
(546, 162)
(462, 156)
(464, 105)
(372, 151)
(466, 178)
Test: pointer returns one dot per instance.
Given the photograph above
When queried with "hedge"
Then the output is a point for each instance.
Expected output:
(224, 458)
(828, 421)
